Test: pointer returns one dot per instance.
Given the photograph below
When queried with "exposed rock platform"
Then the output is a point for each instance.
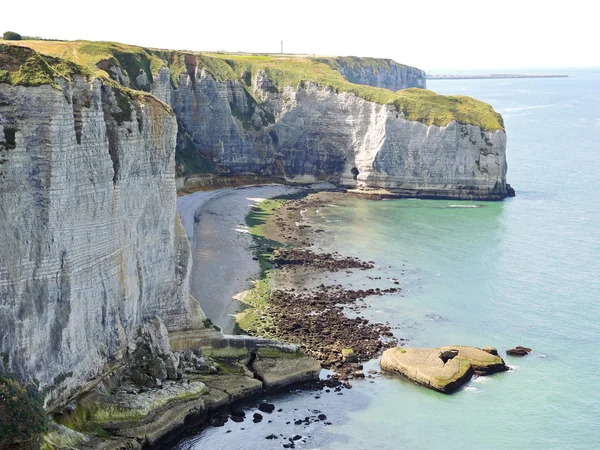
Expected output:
(443, 369)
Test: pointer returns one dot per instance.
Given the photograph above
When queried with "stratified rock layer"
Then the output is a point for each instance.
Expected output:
(312, 133)
(443, 369)
(92, 245)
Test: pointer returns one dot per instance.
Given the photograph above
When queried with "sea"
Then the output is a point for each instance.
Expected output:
(524, 271)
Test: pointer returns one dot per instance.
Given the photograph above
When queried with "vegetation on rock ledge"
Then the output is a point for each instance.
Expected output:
(22, 415)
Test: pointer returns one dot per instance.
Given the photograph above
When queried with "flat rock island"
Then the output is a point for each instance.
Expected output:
(443, 369)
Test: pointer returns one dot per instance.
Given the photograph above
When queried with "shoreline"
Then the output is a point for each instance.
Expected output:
(303, 297)
(224, 263)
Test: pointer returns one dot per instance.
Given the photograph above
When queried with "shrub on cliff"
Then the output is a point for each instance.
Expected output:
(11, 36)
(22, 415)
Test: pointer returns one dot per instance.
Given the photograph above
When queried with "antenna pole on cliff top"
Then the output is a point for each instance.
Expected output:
(282, 47)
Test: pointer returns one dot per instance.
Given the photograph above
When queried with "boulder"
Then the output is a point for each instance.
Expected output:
(426, 366)
(518, 351)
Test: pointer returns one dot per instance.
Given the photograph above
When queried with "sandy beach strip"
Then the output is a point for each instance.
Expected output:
(222, 247)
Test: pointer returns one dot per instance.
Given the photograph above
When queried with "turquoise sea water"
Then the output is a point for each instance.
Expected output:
(520, 272)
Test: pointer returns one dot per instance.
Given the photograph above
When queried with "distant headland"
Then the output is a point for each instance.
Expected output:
(493, 76)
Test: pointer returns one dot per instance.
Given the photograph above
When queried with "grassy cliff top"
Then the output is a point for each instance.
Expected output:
(283, 70)
(26, 67)
(358, 64)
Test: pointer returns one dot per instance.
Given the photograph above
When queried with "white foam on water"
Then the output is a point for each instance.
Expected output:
(478, 379)
(465, 206)
(473, 389)
(512, 368)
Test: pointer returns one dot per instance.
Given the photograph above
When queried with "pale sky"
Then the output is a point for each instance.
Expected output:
(457, 35)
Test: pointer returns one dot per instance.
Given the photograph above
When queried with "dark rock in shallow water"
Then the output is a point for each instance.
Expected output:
(237, 412)
(257, 418)
(518, 351)
(266, 407)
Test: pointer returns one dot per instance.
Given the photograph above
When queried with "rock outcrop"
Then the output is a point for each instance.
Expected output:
(443, 369)
(92, 245)
(383, 73)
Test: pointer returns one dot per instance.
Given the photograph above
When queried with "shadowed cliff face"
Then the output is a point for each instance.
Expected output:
(92, 245)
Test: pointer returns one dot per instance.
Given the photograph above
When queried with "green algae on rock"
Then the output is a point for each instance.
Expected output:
(443, 369)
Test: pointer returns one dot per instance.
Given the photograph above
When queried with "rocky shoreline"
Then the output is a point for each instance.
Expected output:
(315, 317)
(157, 392)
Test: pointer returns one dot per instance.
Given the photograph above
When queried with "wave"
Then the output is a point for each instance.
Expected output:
(473, 389)
(525, 108)
(465, 206)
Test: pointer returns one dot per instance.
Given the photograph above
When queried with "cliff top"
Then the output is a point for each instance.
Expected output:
(21, 65)
(359, 63)
(283, 70)
(24, 66)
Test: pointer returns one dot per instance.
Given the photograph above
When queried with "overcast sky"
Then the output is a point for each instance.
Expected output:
(430, 34)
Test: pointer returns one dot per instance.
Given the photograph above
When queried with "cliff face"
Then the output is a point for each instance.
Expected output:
(299, 118)
(383, 73)
(313, 133)
(92, 245)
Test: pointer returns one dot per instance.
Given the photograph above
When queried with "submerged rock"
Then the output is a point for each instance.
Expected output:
(426, 366)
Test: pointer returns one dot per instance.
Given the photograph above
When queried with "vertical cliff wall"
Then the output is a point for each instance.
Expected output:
(415, 146)
(92, 245)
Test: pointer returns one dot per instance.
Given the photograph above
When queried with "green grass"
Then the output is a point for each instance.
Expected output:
(29, 68)
(293, 71)
(356, 64)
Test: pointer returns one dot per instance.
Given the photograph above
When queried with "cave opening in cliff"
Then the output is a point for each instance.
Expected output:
(355, 172)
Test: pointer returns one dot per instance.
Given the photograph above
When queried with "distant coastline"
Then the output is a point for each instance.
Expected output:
(495, 76)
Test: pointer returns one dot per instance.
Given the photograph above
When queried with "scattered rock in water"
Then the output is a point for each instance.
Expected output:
(322, 417)
(257, 418)
(272, 436)
(266, 407)
(426, 366)
(518, 351)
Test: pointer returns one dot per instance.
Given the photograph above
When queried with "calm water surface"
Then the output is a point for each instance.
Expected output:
(520, 272)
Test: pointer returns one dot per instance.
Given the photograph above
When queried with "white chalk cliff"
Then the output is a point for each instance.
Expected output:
(92, 245)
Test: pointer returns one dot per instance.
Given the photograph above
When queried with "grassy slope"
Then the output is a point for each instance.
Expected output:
(284, 70)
